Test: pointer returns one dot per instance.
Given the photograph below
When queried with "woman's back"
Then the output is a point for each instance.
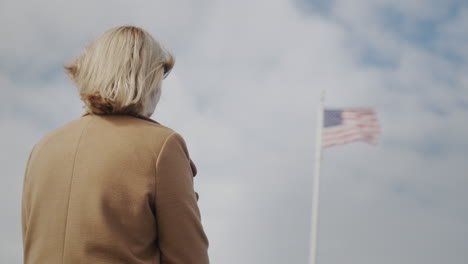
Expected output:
(111, 189)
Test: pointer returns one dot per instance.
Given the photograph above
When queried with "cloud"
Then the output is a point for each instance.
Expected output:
(244, 92)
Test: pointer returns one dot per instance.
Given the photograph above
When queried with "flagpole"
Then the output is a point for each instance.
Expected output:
(316, 187)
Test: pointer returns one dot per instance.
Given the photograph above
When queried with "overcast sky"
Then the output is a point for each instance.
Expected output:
(244, 93)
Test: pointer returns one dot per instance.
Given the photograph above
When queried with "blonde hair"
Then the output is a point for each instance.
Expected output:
(121, 72)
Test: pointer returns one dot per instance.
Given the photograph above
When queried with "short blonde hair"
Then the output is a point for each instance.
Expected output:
(121, 72)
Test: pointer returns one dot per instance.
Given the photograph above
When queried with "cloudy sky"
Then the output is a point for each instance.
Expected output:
(244, 93)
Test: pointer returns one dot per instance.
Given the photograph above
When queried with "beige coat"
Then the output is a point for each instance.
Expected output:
(111, 189)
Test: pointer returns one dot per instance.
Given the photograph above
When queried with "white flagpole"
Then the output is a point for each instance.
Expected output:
(316, 188)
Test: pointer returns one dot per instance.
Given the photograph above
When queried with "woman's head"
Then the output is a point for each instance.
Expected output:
(121, 72)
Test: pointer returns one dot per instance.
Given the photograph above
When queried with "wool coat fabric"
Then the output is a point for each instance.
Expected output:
(111, 189)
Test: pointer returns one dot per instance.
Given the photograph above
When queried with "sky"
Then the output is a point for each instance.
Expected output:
(244, 93)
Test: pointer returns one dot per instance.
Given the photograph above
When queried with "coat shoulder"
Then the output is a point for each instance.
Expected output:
(143, 132)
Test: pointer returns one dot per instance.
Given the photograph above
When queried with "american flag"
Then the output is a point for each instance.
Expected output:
(341, 126)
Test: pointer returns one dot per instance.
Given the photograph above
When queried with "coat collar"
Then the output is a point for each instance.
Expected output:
(138, 116)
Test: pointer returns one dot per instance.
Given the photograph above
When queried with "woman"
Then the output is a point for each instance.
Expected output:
(114, 186)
